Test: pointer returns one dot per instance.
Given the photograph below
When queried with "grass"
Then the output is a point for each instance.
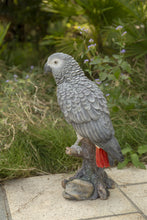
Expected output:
(34, 135)
(39, 150)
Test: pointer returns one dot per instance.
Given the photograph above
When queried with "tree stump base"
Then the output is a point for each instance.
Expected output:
(90, 182)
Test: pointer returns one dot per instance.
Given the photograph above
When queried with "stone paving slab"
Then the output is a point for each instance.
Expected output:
(127, 175)
(41, 198)
(138, 194)
(46, 197)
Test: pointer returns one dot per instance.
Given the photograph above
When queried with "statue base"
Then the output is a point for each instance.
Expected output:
(90, 182)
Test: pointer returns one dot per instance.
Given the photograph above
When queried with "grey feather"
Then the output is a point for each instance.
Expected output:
(84, 105)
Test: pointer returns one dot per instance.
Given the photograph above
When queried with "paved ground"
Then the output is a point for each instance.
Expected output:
(40, 198)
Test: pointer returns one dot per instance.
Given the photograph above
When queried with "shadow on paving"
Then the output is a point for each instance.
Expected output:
(4, 207)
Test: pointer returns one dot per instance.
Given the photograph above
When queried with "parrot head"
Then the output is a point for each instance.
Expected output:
(62, 66)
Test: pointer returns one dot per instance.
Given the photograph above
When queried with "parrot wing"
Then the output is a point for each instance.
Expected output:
(81, 102)
(85, 107)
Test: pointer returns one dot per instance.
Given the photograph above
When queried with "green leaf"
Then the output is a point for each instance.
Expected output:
(3, 32)
(116, 56)
(126, 66)
(135, 159)
(103, 76)
(96, 60)
(107, 59)
(142, 149)
(111, 77)
(141, 165)
(123, 164)
(126, 150)
(116, 71)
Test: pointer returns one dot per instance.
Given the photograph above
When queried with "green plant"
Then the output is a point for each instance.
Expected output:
(21, 54)
(94, 15)
(115, 76)
(133, 156)
(136, 27)
(3, 31)
(135, 24)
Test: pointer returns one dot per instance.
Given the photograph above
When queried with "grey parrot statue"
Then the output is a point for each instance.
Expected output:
(84, 107)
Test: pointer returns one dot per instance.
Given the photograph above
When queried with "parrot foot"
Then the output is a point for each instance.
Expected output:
(74, 150)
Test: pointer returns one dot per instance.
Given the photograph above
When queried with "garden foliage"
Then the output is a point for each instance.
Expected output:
(108, 39)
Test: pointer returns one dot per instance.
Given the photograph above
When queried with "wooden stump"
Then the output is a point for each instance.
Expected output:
(90, 182)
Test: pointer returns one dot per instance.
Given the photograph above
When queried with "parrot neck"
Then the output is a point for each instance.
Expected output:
(74, 76)
(59, 80)
(74, 73)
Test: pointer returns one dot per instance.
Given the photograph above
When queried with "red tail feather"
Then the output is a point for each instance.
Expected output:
(101, 158)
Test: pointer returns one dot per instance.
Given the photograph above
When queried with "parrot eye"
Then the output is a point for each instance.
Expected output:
(55, 62)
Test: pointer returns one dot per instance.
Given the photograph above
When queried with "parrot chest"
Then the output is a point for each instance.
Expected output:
(69, 97)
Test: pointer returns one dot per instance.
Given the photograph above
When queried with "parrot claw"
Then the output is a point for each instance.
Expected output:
(68, 150)
(73, 150)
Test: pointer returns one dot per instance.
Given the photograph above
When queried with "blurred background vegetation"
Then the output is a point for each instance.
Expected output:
(109, 40)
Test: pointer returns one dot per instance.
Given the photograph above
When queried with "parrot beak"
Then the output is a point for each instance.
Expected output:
(47, 69)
